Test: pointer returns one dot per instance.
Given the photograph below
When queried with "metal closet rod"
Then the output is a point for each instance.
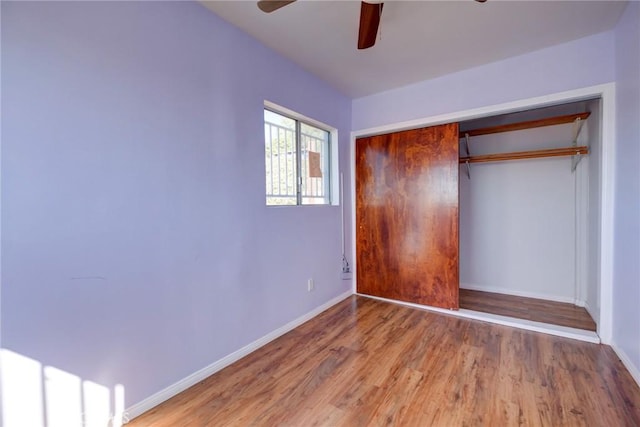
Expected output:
(519, 155)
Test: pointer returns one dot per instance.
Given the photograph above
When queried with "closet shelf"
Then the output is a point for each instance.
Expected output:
(557, 120)
(535, 154)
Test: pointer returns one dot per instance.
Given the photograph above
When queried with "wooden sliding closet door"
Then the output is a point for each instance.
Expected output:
(407, 216)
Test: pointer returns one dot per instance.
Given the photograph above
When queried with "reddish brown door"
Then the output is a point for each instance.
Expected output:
(407, 216)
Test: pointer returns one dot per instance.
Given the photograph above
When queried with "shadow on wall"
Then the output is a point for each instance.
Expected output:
(44, 396)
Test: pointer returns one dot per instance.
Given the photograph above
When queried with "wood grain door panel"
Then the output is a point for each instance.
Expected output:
(407, 215)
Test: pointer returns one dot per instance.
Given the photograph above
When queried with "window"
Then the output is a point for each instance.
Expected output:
(297, 160)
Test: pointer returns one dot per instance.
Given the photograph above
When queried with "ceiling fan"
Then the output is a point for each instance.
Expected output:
(370, 14)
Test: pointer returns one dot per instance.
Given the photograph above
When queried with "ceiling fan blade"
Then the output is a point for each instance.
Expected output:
(369, 21)
(269, 6)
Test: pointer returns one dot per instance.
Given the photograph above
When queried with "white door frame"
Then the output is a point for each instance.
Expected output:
(606, 92)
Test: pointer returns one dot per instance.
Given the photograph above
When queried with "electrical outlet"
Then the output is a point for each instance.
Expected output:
(310, 285)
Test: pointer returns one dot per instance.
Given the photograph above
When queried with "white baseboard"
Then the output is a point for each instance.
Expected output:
(163, 395)
(626, 361)
(526, 294)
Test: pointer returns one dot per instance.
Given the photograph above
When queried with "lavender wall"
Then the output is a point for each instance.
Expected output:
(580, 63)
(136, 244)
(626, 297)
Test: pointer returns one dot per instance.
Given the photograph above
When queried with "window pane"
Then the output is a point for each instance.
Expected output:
(280, 159)
(314, 165)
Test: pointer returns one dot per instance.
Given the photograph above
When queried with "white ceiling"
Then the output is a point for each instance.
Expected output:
(419, 40)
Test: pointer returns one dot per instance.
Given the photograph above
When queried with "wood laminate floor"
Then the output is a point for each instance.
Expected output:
(538, 310)
(365, 362)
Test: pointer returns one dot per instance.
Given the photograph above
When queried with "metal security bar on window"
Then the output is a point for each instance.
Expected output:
(296, 161)
(280, 159)
(314, 144)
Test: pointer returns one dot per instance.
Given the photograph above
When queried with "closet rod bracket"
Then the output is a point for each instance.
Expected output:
(577, 128)
(575, 161)
(466, 146)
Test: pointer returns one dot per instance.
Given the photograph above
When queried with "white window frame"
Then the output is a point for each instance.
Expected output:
(332, 175)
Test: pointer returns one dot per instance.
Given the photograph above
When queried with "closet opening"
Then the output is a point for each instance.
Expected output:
(529, 214)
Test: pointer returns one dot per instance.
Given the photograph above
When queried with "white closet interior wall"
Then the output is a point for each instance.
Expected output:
(593, 180)
(523, 224)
